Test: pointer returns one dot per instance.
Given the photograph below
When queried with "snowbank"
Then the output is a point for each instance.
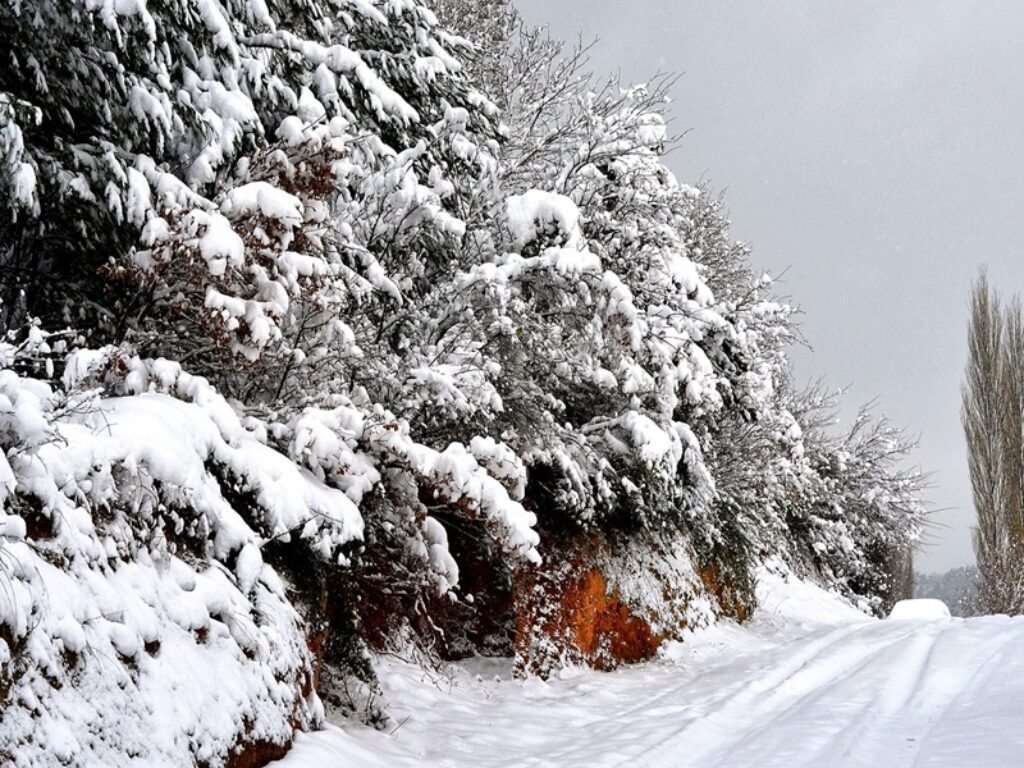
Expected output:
(137, 617)
(922, 609)
(785, 601)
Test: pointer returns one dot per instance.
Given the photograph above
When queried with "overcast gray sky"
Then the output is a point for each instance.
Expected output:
(875, 149)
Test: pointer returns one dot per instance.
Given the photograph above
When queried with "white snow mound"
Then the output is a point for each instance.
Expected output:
(928, 609)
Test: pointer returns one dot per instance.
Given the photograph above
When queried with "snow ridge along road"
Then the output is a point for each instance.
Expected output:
(780, 694)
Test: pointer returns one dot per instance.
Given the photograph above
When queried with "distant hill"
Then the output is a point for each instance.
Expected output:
(956, 587)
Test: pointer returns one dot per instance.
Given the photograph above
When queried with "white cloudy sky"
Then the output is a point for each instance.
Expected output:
(875, 150)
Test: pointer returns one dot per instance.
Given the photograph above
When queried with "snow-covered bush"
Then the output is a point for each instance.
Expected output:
(114, 116)
(857, 511)
(657, 332)
(132, 575)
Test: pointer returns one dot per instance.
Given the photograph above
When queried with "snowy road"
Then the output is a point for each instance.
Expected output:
(943, 694)
(886, 694)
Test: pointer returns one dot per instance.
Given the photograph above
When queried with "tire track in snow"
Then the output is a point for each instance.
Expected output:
(811, 703)
(724, 682)
(727, 685)
(817, 643)
(911, 694)
(990, 663)
(887, 728)
(903, 674)
(894, 729)
(899, 705)
(697, 738)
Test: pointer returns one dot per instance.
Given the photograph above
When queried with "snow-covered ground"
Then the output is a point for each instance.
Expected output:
(809, 683)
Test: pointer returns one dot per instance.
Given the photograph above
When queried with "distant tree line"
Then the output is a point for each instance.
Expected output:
(957, 588)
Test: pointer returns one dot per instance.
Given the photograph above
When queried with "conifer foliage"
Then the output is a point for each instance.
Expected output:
(327, 322)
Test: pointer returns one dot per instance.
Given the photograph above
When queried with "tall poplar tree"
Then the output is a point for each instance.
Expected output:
(993, 403)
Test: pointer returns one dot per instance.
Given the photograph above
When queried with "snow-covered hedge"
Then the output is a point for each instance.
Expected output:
(133, 579)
